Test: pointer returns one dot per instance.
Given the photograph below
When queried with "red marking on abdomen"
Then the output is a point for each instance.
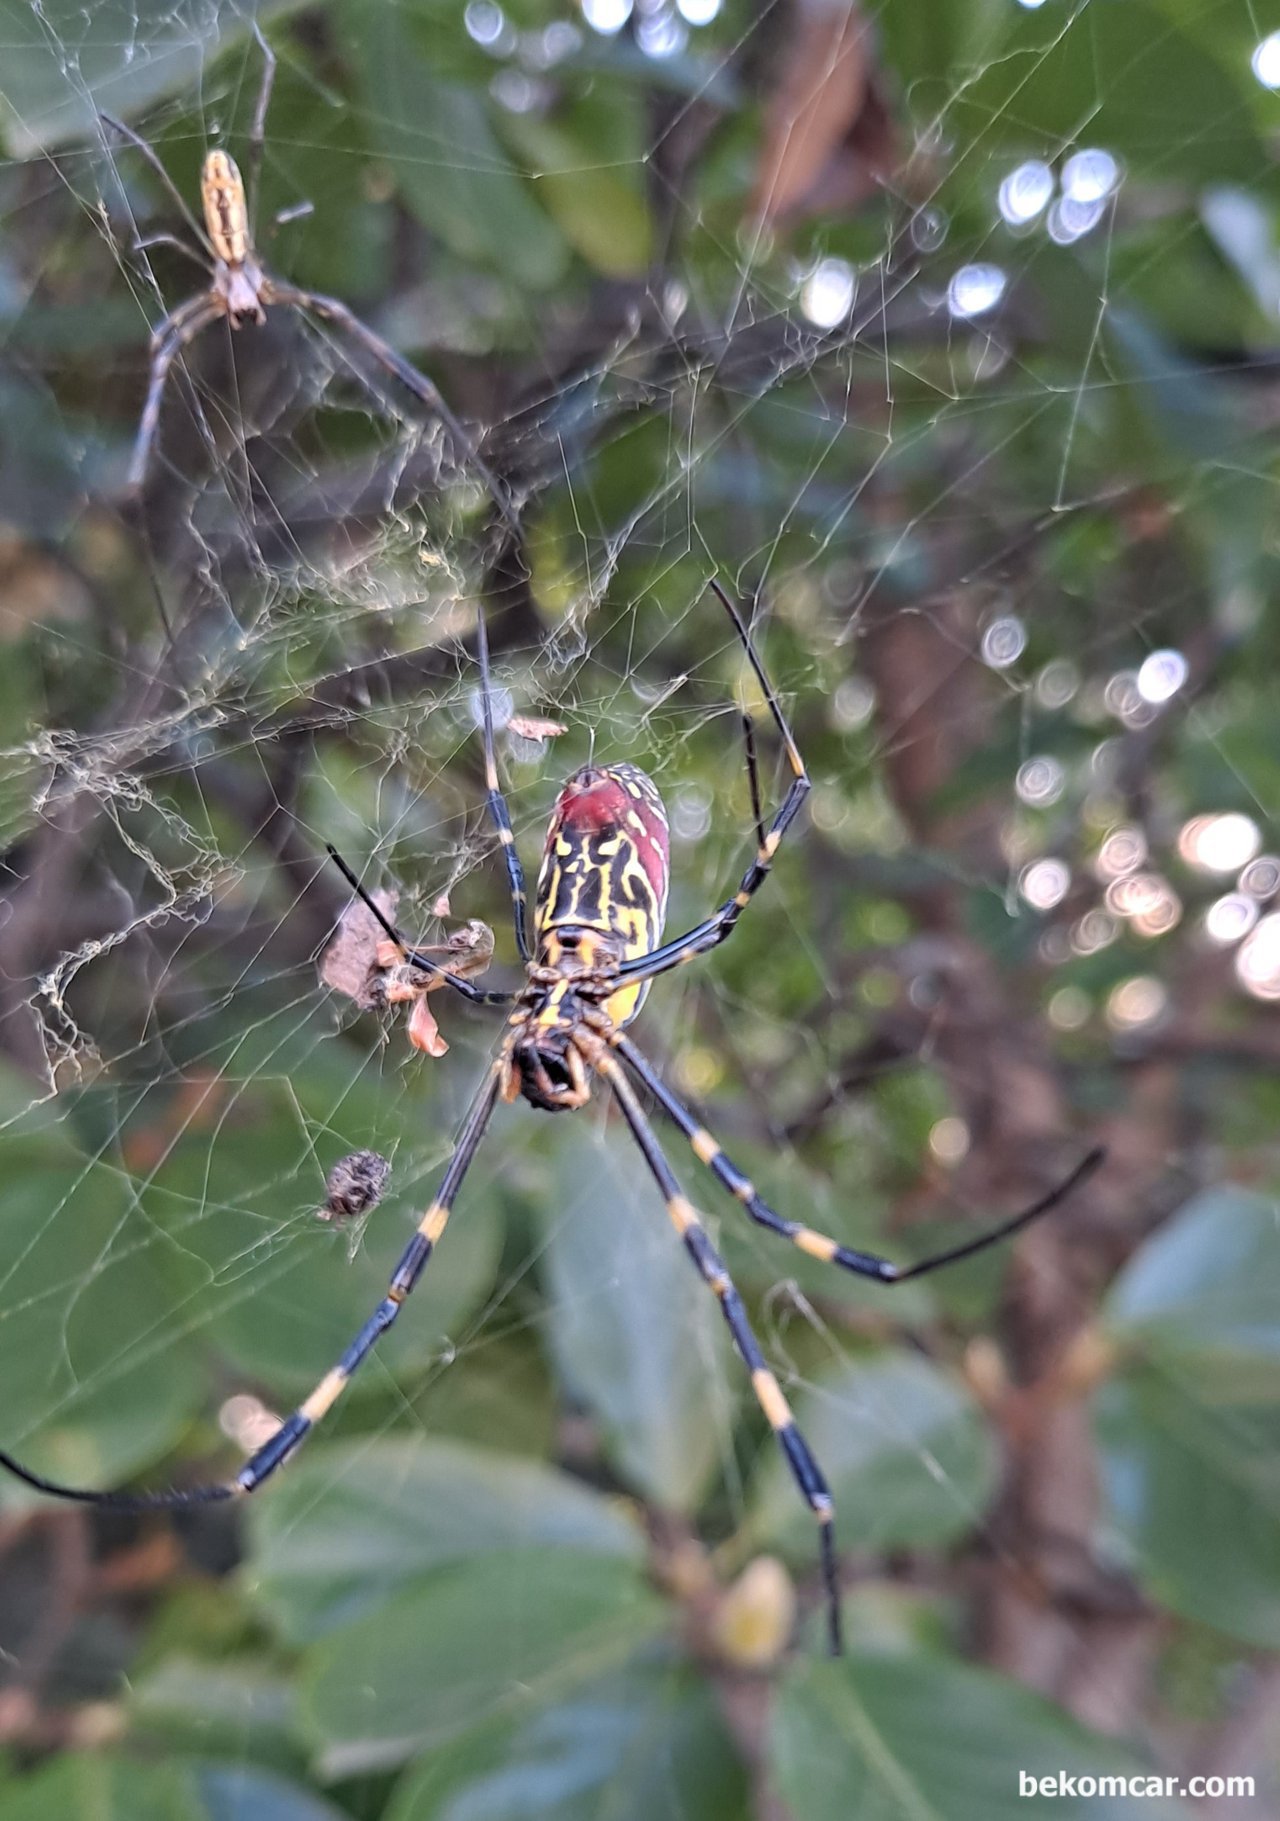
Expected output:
(606, 814)
(593, 808)
(653, 847)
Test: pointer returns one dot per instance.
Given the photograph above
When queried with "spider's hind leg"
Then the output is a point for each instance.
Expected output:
(332, 310)
(819, 1245)
(796, 1451)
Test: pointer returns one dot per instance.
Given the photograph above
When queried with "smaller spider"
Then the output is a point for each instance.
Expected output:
(241, 290)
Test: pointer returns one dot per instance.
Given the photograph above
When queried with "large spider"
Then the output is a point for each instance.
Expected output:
(242, 290)
(601, 898)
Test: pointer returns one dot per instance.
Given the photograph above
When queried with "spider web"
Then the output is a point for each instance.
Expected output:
(901, 341)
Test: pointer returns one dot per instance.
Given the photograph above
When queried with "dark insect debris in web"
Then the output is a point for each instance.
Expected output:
(354, 1186)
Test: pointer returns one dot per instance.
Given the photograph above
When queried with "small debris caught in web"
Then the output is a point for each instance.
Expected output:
(366, 966)
(468, 950)
(354, 1186)
(350, 963)
(529, 727)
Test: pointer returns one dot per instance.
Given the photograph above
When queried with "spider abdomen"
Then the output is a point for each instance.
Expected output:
(226, 214)
(605, 869)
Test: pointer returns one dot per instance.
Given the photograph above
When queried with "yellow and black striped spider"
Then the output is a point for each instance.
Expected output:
(598, 916)
(241, 290)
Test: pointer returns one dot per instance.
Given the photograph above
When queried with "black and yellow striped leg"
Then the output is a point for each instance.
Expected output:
(819, 1245)
(805, 1470)
(413, 1263)
(753, 778)
(475, 994)
(293, 1431)
(497, 803)
(719, 926)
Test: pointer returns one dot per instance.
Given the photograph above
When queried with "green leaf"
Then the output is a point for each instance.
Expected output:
(1045, 91)
(921, 1739)
(1244, 231)
(905, 1449)
(237, 1708)
(1193, 1495)
(90, 1348)
(635, 1332)
(1184, 414)
(448, 165)
(64, 63)
(637, 1745)
(599, 202)
(934, 42)
(104, 1789)
(96, 1788)
(496, 1638)
(1202, 1296)
(233, 1792)
(351, 1526)
(504, 1395)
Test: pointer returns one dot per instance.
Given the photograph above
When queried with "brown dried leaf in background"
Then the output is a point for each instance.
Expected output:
(828, 135)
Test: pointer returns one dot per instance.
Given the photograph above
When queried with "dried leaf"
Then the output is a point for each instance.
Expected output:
(351, 963)
(468, 950)
(423, 1031)
(363, 963)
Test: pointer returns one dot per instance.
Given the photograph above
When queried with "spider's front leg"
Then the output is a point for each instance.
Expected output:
(720, 925)
(179, 328)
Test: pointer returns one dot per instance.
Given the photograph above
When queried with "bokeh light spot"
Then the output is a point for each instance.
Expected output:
(975, 289)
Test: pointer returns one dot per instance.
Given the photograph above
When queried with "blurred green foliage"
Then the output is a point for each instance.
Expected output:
(495, 1585)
